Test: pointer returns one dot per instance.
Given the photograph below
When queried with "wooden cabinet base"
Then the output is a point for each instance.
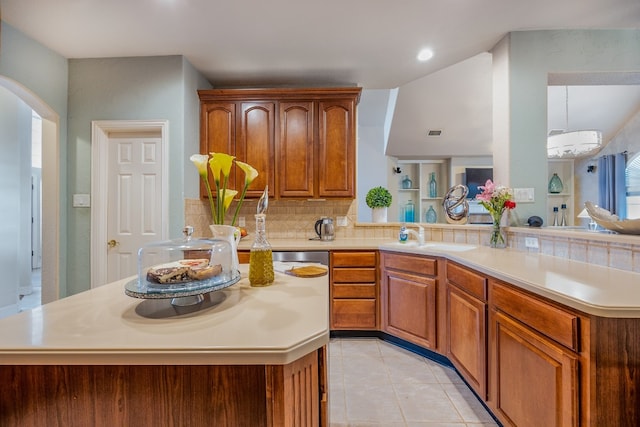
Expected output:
(282, 395)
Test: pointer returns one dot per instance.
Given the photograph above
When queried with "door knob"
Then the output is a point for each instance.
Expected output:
(112, 243)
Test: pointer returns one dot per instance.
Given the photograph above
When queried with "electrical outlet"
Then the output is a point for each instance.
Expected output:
(341, 221)
(241, 222)
(531, 242)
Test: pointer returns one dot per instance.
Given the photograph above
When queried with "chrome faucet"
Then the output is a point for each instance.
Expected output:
(419, 235)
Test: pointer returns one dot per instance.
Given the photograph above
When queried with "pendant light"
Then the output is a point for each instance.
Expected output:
(571, 144)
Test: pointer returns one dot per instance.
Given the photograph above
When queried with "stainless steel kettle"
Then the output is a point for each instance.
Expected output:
(324, 229)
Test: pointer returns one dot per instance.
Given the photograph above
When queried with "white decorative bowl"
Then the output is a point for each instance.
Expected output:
(606, 219)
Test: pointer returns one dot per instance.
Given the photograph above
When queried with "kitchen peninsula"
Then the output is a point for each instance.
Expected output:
(103, 358)
(542, 340)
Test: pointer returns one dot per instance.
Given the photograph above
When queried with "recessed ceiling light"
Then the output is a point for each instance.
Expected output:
(425, 55)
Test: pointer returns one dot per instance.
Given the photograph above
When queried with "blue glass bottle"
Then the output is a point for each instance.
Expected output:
(407, 183)
(409, 212)
(433, 186)
(431, 216)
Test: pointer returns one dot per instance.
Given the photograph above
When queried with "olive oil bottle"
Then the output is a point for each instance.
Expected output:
(261, 256)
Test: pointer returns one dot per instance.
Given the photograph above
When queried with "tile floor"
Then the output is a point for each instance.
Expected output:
(376, 383)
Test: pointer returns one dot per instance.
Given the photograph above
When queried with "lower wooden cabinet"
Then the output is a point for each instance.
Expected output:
(290, 395)
(354, 290)
(535, 381)
(535, 360)
(467, 337)
(466, 323)
(408, 298)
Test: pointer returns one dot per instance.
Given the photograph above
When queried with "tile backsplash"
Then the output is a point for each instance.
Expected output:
(293, 219)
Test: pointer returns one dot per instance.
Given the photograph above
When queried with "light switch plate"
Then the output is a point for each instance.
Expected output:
(523, 195)
(81, 200)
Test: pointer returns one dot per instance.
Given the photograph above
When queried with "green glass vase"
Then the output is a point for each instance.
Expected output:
(555, 184)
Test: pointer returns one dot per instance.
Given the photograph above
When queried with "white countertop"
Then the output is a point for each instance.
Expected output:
(592, 289)
(270, 325)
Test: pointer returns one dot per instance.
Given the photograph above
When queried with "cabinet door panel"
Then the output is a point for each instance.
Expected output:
(218, 134)
(255, 145)
(466, 337)
(410, 307)
(296, 151)
(535, 380)
(336, 174)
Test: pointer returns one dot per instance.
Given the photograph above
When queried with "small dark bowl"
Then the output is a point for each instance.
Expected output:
(534, 221)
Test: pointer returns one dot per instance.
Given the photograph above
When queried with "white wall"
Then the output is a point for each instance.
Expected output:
(39, 76)
(14, 190)
(371, 164)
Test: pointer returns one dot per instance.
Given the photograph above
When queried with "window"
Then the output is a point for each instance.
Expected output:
(632, 178)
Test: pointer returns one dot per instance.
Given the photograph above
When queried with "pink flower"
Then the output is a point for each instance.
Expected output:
(487, 191)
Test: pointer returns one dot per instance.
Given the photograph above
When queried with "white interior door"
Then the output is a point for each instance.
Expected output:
(129, 194)
(134, 200)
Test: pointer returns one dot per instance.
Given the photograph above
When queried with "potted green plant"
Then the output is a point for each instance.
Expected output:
(378, 199)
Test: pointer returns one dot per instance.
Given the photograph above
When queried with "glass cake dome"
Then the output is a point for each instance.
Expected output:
(183, 267)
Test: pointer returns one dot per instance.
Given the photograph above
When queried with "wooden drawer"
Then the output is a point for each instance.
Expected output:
(554, 322)
(354, 290)
(417, 264)
(468, 280)
(353, 259)
(243, 257)
(354, 313)
(353, 275)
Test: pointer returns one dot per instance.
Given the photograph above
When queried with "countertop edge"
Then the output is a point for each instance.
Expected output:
(189, 356)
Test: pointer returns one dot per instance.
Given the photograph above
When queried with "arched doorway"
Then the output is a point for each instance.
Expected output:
(51, 224)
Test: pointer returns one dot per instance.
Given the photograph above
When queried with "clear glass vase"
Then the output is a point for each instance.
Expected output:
(232, 235)
(498, 237)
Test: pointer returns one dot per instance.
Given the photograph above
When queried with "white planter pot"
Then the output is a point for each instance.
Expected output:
(379, 214)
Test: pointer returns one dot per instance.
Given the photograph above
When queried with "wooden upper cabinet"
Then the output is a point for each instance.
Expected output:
(336, 148)
(296, 150)
(218, 134)
(301, 141)
(255, 145)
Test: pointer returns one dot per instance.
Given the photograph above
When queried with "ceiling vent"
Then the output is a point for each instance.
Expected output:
(434, 132)
(555, 132)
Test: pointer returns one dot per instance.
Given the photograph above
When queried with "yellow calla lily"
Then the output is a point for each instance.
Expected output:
(220, 163)
(200, 160)
(228, 198)
(250, 173)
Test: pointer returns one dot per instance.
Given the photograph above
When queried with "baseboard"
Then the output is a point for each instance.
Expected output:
(9, 310)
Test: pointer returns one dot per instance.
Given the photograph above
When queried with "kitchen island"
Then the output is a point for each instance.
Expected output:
(243, 357)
